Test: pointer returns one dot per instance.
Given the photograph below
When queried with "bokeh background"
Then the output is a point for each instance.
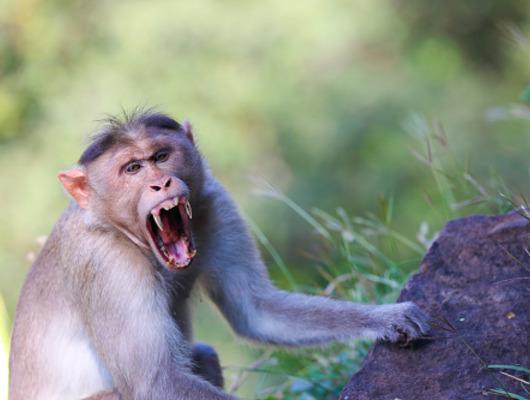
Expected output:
(407, 113)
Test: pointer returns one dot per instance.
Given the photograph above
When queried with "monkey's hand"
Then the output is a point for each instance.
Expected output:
(402, 323)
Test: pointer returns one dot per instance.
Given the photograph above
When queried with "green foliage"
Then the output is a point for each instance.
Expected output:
(316, 376)
(525, 95)
(512, 367)
(523, 381)
(508, 395)
(4, 349)
(366, 260)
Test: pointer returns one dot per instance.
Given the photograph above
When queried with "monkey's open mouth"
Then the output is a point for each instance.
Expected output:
(169, 225)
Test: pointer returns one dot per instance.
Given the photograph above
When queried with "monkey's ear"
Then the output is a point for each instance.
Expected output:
(188, 130)
(75, 183)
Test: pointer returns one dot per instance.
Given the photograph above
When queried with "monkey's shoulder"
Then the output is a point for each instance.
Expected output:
(79, 241)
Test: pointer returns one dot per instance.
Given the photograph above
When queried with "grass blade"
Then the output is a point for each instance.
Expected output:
(508, 366)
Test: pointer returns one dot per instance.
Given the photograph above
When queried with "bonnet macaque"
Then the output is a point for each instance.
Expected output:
(104, 311)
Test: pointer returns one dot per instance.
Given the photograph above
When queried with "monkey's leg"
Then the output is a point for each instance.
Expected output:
(206, 364)
(107, 395)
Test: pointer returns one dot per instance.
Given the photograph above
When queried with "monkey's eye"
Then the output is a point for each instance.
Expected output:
(161, 156)
(133, 167)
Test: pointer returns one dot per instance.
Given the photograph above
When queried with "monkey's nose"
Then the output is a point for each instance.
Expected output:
(164, 184)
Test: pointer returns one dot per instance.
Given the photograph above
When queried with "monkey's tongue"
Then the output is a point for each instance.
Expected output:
(178, 252)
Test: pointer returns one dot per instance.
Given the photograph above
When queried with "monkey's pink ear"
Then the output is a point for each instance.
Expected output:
(75, 183)
(188, 130)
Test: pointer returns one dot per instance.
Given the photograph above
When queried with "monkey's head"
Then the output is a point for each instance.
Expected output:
(141, 176)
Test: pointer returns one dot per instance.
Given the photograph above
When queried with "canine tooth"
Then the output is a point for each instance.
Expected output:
(188, 210)
(158, 221)
(175, 201)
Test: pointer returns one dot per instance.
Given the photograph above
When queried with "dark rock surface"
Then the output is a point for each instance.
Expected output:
(475, 284)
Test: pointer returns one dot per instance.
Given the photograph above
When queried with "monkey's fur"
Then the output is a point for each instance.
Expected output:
(103, 315)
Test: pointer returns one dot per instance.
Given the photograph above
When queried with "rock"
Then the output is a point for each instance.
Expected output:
(475, 284)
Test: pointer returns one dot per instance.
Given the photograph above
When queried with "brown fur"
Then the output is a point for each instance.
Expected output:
(101, 316)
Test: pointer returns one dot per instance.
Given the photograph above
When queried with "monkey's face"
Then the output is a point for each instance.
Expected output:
(144, 189)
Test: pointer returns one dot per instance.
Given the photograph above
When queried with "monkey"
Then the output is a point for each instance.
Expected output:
(104, 312)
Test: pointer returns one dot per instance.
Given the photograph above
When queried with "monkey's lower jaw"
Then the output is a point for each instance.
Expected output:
(169, 227)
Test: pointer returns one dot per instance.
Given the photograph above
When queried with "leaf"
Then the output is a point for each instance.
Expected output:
(509, 395)
(300, 385)
(512, 367)
(306, 396)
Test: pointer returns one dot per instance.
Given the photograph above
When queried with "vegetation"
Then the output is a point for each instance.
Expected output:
(4, 347)
(324, 104)
(523, 382)
(366, 261)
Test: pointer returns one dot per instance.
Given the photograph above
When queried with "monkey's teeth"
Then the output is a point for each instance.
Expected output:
(188, 210)
(158, 221)
(170, 204)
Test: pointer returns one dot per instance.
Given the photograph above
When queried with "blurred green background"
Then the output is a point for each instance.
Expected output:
(332, 103)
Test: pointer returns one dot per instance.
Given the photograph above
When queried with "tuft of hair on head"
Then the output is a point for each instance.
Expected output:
(116, 128)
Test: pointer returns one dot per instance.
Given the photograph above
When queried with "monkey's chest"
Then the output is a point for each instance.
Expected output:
(179, 303)
(75, 370)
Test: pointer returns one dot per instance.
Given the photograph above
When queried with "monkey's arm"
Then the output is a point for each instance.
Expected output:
(127, 316)
(236, 280)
